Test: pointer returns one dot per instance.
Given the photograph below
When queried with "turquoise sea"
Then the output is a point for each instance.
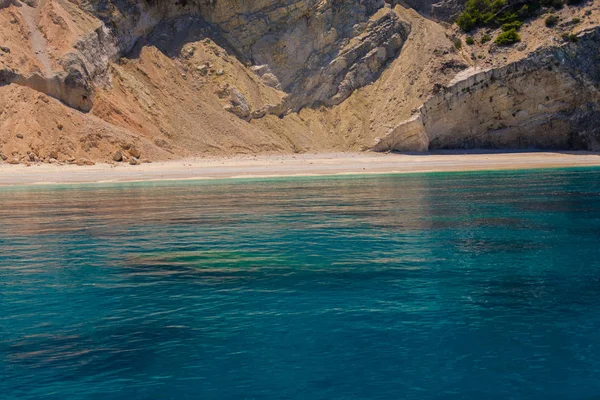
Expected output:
(433, 286)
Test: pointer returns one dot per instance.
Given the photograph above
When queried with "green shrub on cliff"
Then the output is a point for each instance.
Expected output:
(516, 25)
(507, 38)
(551, 21)
(479, 13)
(466, 22)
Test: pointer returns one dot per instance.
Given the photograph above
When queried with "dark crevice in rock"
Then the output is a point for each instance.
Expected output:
(171, 35)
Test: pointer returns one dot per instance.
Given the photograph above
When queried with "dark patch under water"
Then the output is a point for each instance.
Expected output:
(439, 286)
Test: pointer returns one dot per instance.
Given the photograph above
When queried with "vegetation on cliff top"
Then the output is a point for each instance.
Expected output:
(496, 13)
(509, 15)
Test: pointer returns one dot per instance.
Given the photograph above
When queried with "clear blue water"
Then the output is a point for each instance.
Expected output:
(439, 286)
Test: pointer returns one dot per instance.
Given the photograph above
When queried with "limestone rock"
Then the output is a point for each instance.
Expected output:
(323, 63)
(202, 69)
(134, 152)
(239, 104)
(547, 100)
(410, 135)
(267, 76)
(345, 46)
(162, 144)
(355, 66)
(84, 161)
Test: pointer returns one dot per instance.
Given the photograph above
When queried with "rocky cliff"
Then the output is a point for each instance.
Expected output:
(84, 81)
(547, 100)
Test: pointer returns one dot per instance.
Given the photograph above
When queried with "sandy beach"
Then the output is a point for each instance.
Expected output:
(292, 165)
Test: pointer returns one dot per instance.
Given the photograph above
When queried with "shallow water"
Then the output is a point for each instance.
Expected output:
(438, 286)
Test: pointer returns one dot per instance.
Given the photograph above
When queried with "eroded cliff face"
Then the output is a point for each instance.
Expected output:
(84, 80)
(123, 80)
(235, 61)
(548, 100)
(316, 51)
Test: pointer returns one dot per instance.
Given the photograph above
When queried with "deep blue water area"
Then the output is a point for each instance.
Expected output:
(432, 286)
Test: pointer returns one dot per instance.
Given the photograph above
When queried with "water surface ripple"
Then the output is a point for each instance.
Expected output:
(439, 286)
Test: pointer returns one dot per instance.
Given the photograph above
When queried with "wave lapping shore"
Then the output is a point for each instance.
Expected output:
(292, 165)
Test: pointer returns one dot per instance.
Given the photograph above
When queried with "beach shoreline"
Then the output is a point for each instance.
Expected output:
(292, 165)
